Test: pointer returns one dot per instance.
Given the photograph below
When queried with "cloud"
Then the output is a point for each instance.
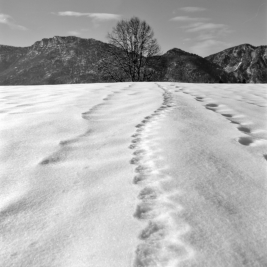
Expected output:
(70, 14)
(207, 35)
(200, 26)
(207, 31)
(192, 9)
(208, 47)
(97, 17)
(187, 19)
(104, 16)
(8, 20)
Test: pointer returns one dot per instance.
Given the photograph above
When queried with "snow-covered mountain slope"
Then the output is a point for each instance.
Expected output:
(133, 174)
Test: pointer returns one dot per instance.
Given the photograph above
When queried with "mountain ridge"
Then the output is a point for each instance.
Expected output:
(70, 59)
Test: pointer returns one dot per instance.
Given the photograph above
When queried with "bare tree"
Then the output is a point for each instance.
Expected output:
(132, 45)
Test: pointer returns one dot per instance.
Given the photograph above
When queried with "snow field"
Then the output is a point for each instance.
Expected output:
(133, 175)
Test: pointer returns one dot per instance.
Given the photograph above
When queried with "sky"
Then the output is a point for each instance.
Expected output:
(201, 27)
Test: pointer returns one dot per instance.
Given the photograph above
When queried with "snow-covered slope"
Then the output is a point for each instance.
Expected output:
(133, 174)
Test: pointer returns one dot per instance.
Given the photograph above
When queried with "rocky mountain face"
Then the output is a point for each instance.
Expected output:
(51, 61)
(10, 55)
(62, 60)
(246, 62)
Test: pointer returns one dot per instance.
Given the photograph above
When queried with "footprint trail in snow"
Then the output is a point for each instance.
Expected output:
(160, 240)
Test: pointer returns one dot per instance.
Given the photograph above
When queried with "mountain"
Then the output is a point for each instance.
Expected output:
(51, 61)
(75, 60)
(246, 62)
(181, 66)
(10, 55)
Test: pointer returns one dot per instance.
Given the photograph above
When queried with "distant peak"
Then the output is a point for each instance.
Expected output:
(246, 45)
(239, 48)
(60, 40)
(176, 51)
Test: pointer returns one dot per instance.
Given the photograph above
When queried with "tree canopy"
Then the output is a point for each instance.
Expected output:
(132, 46)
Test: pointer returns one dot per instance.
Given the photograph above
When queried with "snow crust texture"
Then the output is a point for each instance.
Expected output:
(133, 175)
